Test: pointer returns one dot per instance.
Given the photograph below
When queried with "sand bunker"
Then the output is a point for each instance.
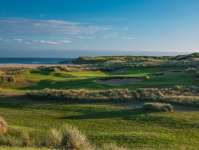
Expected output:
(119, 81)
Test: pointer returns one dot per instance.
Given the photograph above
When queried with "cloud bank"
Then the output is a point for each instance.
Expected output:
(27, 27)
(40, 34)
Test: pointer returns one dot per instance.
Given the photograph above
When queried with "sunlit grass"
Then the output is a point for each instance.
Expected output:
(106, 122)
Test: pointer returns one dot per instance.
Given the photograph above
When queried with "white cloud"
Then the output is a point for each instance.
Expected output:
(18, 40)
(48, 42)
(65, 41)
(129, 38)
(85, 37)
(42, 41)
(115, 35)
(58, 42)
(41, 33)
(111, 35)
(28, 27)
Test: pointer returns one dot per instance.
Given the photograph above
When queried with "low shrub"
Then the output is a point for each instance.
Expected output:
(68, 138)
(45, 70)
(17, 137)
(49, 69)
(160, 107)
(54, 138)
(3, 126)
(12, 72)
(7, 78)
(25, 138)
(1, 73)
(73, 139)
(83, 95)
(177, 94)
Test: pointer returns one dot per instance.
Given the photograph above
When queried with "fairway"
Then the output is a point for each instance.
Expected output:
(33, 80)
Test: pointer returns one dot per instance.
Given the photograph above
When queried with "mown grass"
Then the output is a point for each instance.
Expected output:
(106, 122)
(30, 80)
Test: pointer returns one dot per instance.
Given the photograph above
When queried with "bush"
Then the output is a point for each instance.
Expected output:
(1, 72)
(7, 78)
(73, 139)
(25, 138)
(83, 95)
(160, 107)
(68, 138)
(178, 87)
(17, 71)
(16, 137)
(49, 69)
(3, 126)
(54, 138)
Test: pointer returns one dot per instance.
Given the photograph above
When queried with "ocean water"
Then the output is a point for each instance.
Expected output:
(35, 60)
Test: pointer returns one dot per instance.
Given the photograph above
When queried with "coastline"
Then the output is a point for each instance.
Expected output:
(31, 65)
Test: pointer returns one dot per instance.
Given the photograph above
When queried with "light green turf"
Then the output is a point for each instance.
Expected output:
(87, 79)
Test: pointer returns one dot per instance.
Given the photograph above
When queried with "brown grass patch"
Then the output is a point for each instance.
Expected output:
(3, 126)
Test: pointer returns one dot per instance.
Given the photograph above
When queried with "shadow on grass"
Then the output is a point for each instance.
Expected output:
(134, 115)
(67, 84)
(137, 115)
(40, 72)
(17, 102)
(88, 114)
(23, 101)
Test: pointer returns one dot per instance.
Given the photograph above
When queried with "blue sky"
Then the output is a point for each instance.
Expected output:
(59, 28)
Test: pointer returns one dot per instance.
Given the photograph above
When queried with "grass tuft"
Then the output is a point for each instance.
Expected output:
(54, 138)
(3, 126)
(160, 107)
(73, 139)
(111, 146)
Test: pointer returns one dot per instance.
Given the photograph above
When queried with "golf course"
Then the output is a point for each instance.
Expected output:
(113, 102)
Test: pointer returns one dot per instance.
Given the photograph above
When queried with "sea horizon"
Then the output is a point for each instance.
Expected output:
(29, 60)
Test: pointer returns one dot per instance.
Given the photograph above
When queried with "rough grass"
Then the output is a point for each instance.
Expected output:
(66, 138)
(53, 138)
(178, 94)
(83, 95)
(105, 123)
(112, 146)
(3, 126)
(73, 139)
(158, 107)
